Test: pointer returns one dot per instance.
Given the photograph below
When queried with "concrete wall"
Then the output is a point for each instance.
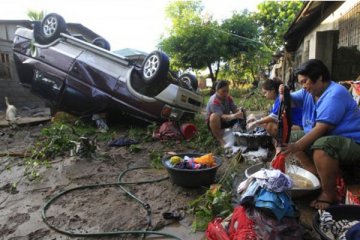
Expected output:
(323, 43)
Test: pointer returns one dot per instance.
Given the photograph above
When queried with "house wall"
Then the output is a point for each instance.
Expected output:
(336, 41)
(9, 82)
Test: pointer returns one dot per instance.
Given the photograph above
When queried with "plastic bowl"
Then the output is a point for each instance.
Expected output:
(192, 178)
(338, 212)
(294, 192)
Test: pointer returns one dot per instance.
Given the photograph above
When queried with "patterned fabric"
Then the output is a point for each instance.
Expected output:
(273, 180)
(334, 229)
(268, 228)
(215, 105)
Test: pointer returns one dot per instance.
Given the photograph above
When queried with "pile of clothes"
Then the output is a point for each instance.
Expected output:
(263, 211)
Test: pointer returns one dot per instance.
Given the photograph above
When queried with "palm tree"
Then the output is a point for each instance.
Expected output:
(36, 15)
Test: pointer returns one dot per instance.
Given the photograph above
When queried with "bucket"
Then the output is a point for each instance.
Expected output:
(192, 178)
(188, 130)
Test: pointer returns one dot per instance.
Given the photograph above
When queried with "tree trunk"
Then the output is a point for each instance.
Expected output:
(213, 79)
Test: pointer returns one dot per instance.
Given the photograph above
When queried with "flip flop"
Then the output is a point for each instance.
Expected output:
(316, 201)
(173, 215)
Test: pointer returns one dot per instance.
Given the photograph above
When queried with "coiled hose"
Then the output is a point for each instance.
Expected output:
(121, 184)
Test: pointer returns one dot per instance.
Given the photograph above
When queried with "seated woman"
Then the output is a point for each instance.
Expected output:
(331, 121)
(270, 89)
(221, 111)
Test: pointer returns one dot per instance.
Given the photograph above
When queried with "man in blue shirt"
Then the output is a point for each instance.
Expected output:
(331, 122)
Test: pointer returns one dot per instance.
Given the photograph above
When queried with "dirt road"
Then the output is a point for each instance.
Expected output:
(89, 210)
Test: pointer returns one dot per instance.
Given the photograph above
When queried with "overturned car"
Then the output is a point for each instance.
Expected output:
(84, 77)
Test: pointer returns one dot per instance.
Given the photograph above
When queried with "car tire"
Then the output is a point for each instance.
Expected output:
(51, 26)
(189, 81)
(155, 67)
(101, 42)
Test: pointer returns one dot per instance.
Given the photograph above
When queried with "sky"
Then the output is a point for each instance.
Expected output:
(136, 24)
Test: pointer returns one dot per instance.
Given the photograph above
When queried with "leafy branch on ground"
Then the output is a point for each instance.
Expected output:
(155, 159)
(58, 140)
(216, 202)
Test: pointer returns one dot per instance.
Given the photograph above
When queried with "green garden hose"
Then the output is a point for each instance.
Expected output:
(121, 184)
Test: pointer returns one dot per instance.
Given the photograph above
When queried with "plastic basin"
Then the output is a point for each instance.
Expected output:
(192, 178)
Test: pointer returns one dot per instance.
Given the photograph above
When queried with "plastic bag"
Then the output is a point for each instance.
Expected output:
(215, 231)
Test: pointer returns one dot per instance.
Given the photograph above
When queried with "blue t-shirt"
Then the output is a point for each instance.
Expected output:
(335, 107)
(296, 112)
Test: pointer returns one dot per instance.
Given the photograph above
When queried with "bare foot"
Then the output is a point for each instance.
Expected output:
(323, 201)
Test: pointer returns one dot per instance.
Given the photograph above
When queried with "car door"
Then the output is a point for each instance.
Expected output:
(51, 64)
(91, 82)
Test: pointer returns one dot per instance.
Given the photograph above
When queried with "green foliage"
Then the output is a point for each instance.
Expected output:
(253, 101)
(155, 159)
(216, 202)
(275, 17)
(57, 140)
(188, 42)
(134, 148)
(36, 15)
(203, 140)
(145, 134)
(205, 92)
(198, 43)
(241, 35)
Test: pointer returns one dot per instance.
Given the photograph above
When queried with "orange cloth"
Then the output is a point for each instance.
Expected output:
(207, 159)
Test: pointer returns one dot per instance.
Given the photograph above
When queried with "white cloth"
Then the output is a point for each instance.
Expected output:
(271, 179)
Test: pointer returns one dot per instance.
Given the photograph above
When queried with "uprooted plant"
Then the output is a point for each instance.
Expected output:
(216, 201)
(60, 139)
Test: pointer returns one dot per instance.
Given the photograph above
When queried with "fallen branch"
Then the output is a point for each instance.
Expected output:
(14, 154)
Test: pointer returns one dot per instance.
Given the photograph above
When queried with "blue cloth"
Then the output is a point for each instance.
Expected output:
(335, 107)
(122, 142)
(353, 233)
(279, 203)
(296, 112)
(249, 194)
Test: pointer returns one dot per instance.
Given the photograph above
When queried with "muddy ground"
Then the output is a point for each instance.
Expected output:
(92, 210)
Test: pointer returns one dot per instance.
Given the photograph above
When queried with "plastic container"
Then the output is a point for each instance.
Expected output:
(188, 130)
(338, 212)
(192, 178)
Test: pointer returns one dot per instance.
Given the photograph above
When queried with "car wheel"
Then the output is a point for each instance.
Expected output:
(101, 42)
(51, 27)
(189, 81)
(155, 67)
